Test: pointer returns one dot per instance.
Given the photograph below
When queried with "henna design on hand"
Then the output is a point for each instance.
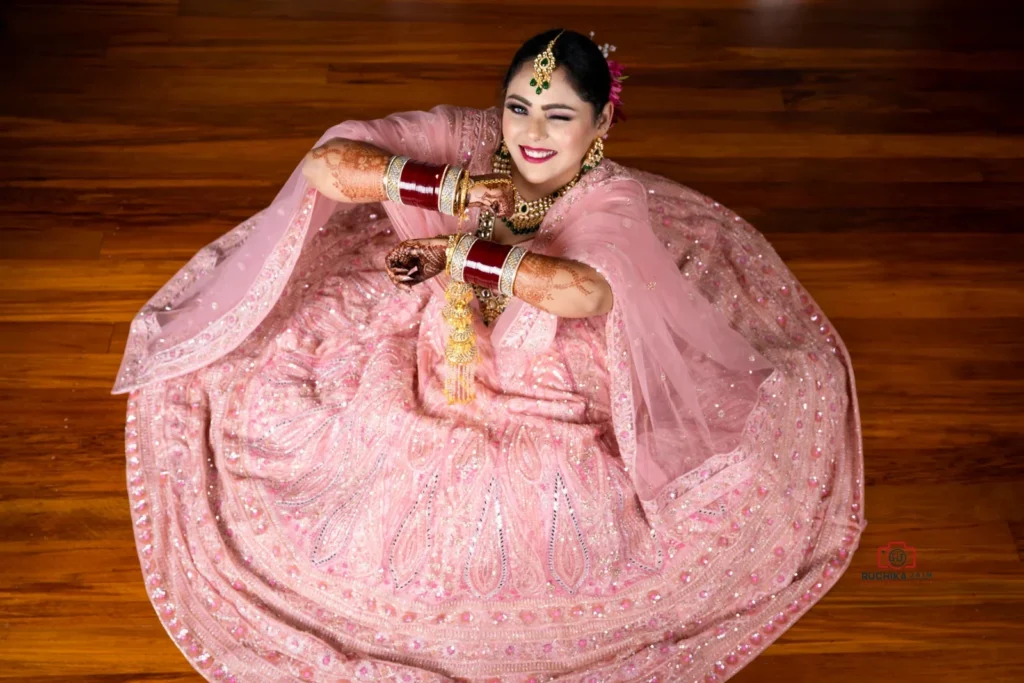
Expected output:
(415, 261)
(492, 191)
(432, 258)
(356, 167)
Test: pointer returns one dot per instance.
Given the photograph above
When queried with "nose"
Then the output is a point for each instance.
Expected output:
(538, 130)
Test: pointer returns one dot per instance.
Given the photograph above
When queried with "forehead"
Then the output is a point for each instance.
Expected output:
(560, 86)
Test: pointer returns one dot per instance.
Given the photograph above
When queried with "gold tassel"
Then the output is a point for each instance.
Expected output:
(460, 352)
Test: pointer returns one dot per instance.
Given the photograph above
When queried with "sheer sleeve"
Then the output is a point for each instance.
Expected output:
(685, 381)
(219, 297)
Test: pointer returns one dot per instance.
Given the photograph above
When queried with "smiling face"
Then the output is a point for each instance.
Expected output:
(548, 134)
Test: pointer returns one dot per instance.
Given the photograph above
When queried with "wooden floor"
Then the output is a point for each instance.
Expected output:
(877, 143)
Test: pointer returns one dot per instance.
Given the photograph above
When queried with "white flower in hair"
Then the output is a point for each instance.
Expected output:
(605, 49)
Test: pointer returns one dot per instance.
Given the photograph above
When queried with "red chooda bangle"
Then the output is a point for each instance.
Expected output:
(484, 263)
(420, 184)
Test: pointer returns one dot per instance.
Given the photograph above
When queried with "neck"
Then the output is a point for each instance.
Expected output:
(530, 191)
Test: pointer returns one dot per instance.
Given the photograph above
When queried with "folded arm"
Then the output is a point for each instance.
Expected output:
(347, 170)
(352, 171)
(564, 287)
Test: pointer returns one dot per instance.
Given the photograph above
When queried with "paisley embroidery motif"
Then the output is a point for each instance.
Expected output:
(568, 556)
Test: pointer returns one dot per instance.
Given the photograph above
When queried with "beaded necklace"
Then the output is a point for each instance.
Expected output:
(527, 216)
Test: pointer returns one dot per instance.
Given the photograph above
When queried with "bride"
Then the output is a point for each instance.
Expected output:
(469, 400)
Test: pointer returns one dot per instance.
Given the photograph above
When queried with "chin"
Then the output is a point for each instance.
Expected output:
(537, 174)
(532, 173)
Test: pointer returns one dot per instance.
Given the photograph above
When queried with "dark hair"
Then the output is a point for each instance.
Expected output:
(584, 63)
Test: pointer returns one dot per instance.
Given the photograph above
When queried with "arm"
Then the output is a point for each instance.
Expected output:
(564, 287)
(567, 288)
(347, 170)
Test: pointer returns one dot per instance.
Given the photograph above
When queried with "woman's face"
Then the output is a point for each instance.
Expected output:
(555, 127)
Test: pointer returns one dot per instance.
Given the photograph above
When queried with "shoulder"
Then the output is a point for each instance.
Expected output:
(611, 185)
(612, 175)
(607, 190)
(457, 114)
(471, 123)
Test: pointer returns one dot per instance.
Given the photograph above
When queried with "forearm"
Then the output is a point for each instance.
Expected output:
(347, 170)
(564, 287)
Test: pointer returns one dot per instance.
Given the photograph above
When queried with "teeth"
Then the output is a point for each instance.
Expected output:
(534, 155)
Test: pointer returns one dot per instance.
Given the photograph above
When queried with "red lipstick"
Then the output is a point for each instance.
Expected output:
(526, 151)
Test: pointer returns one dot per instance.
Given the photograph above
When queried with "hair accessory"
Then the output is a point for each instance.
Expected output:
(544, 66)
(617, 71)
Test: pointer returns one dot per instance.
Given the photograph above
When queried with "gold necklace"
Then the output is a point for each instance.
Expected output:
(527, 215)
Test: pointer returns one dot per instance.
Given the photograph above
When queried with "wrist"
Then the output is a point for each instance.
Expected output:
(485, 263)
(428, 186)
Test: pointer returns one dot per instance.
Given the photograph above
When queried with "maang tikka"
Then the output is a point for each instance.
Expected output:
(544, 66)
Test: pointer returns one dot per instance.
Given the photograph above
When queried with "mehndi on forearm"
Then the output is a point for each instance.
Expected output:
(356, 171)
(561, 286)
(347, 170)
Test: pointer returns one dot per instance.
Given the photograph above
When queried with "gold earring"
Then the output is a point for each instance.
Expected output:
(594, 155)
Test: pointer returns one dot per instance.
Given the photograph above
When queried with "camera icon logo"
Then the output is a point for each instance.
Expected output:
(897, 555)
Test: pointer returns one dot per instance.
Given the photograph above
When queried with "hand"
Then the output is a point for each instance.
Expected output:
(492, 191)
(413, 261)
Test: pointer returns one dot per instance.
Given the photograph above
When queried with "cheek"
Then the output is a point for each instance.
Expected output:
(581, 141)
(510, 126)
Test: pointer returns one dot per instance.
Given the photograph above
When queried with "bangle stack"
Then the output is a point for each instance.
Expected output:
(483, 263)
(428, 186)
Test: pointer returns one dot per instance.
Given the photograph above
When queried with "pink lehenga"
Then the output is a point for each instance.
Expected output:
(656, 493)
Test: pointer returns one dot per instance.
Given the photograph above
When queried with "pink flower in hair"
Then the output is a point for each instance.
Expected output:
(615, 95)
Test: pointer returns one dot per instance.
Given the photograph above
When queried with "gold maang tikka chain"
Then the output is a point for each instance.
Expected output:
(544, 66)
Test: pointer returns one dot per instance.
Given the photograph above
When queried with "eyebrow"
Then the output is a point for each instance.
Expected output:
(545, 107)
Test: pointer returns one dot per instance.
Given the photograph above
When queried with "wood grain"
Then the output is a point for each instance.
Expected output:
(876, 143)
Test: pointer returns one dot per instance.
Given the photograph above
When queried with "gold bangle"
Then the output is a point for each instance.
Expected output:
(509, 270)
(463, 194)
(457, 203)
(453, 242)
(449, 190)
(392, 176)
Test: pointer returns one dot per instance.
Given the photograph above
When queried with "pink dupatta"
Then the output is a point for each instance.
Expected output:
(684, 381)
